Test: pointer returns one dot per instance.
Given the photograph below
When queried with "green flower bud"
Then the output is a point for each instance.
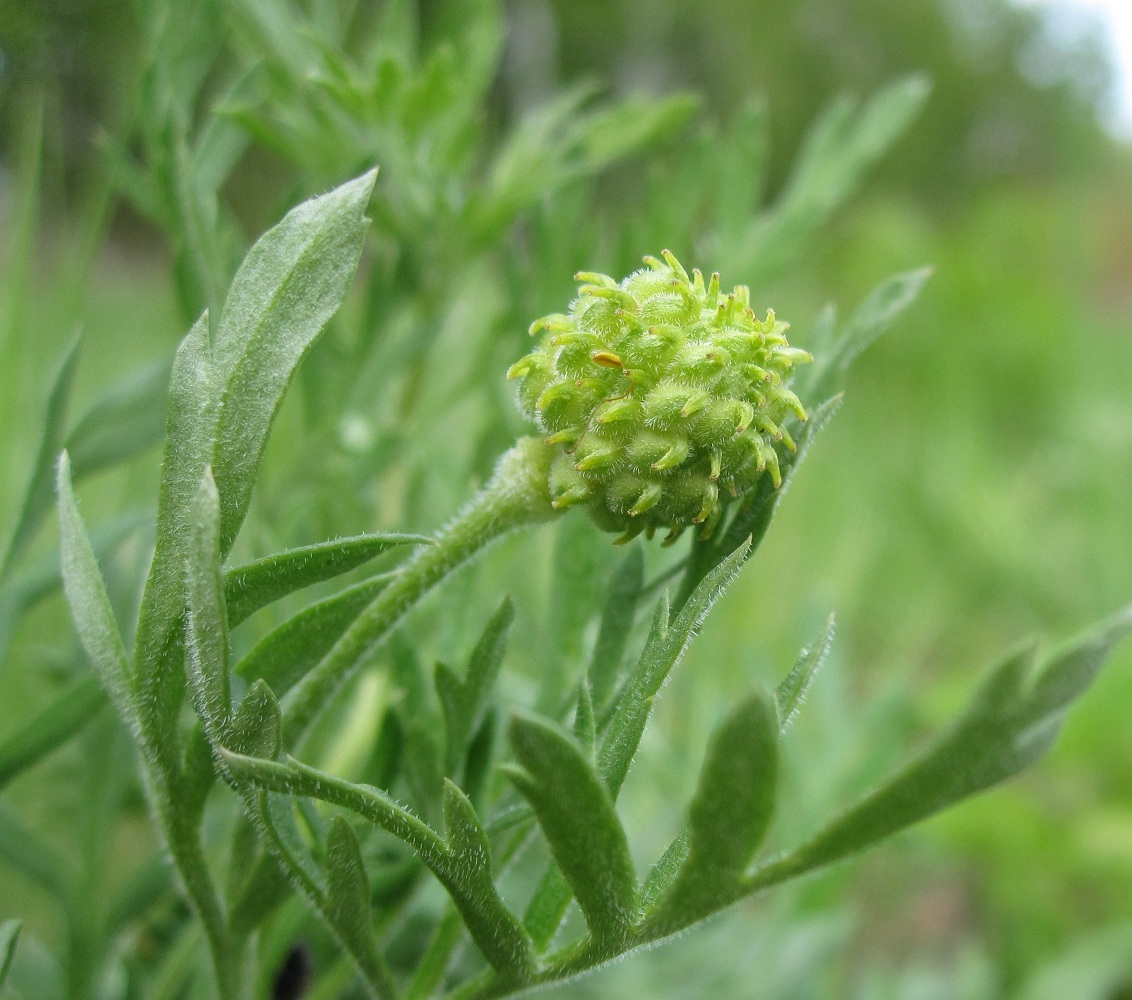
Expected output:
(666, 397)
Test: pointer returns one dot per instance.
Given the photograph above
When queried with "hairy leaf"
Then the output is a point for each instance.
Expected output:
(347, 900)
(791, 693)
(285, 654)
(664, 647)
(255, 585)
(464, 701)
(730, 812)
(616, 624)
(579, 822)
(90, 606)
(289, 285)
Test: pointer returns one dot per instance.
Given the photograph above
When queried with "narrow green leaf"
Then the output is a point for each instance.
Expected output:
(285, 654)
(1012, 720)
(584, 726)
(255, 585)
(289, 285)
(188, 440)
(664, 872)
(579, 822)
(463, 702)
(9, 935)
(496, 931)
(124, 421)
(37, 497)
(90, 606)
(547, 907)
(663, 649)
(52, 726)
(256, 726)
(616, 625)
(423, 765)
(206, 632)
(347, 900)
(32, 856)
(791, 693)
(433, 964)
(729, 813)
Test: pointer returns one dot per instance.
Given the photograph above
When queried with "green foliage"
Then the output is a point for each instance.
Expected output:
(305, 771)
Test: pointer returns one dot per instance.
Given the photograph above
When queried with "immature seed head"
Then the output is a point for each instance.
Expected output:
(664, 396)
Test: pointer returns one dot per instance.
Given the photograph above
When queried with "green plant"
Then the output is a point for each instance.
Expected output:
(252, 717)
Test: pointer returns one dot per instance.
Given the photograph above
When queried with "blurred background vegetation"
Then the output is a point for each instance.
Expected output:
(976, 487)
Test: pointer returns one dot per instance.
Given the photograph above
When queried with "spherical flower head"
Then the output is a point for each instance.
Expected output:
(665, 396)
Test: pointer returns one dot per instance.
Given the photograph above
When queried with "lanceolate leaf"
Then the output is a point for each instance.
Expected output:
(9, 935)
(347, 898)
(127, 419)
(289, 285)
(284, 655)
(254, 586)
(1013, 720)
(579, 822)
(37, 499)
(664, 647)
(730, 811)
(790, 694)
(463, 702)
(494, 928)
(207, 627)
(90, 606)
(52, 726)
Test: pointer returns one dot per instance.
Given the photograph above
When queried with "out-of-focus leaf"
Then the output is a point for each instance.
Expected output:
(90, 606)
(9, 935)
(730, 812)
(791, 693)
(585, 730)
(37, 497)
(289, 285)
(124, 421)
(579, 822)
(32, 856)
(51, 726)
(255, 585)
(616, 624)
(1013, 720)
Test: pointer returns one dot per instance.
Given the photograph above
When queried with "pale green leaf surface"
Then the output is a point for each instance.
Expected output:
(90, 606)
(255, 585)
(617, 620)
(791, 693)
(289, 285)
(579, 822)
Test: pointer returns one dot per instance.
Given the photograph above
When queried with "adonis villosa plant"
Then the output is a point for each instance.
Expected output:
(662, 402)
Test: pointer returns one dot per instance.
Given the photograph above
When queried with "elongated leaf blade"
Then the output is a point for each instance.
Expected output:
(579, 822)
(791, 693)
(255, 585)
(730, 812)
(496, 931)
(285, 654)
(464, 702)
(37, 498)
(51, 727)
(9, 935)
(206, 632)
(89, 603)
(1013, 719)
(124, 421)
(663, 650)
(348, 901)
(289, 285)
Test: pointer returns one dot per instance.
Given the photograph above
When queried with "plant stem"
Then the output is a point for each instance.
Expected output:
(516, 495)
